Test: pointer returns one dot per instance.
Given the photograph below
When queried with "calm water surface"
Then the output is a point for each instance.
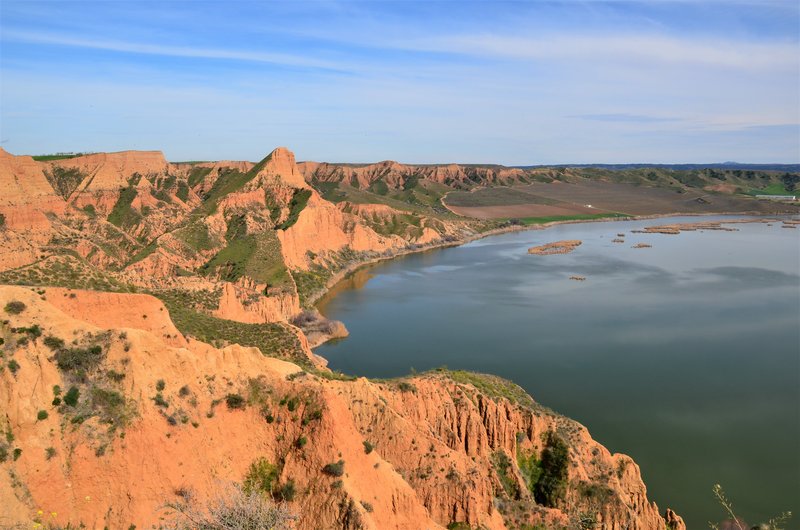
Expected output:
(685, 356)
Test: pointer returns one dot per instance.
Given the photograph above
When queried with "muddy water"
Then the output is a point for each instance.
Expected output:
(685, 355)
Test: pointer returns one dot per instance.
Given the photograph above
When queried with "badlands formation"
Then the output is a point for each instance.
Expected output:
(154, 347)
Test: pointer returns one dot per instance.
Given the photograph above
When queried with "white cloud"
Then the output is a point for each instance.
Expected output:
(172, 51)
(741, 55)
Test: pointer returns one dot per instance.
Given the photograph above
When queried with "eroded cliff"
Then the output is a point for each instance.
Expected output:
(109, 417)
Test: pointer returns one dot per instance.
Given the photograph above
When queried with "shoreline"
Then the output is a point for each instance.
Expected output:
(351, 269)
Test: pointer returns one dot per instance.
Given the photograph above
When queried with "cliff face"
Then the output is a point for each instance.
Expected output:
(131, 220)
(398, 176)
(152, 416)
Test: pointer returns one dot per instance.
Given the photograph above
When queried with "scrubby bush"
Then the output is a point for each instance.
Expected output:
(13, 366)
(54, 343)
(551, 487)
(368, 447)
(33, 331)
(42, 415)
(74, 359)
(286, 492)
(301, 442)
(235, 401)
(15, 307)
(231, 509)
(261, 477)
(160, 385)
(335, 469)
(160, 401)
(405, 386)
(72, 395)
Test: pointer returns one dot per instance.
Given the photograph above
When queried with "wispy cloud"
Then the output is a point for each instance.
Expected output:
(736, 54)
(172, 51)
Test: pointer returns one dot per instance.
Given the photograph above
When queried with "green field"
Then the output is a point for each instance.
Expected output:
(576, 217)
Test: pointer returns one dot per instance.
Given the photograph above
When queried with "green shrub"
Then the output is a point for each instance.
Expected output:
(551, 487)
(50, 452)
(160, 385)
(15, 307)
(17, 453)
(54, 343)
(13, 366)
(235, 401)
(530, 468)
(286, 492)
(72, 395)
(184, 391)
(42, 415)
(115, 376)
(160, 401)
(261, 477)
(34, 331)
(292, 403)
(301, 442)
(73, 359)
(502, 465)
(335, 469)
(296, 205)
(405, 386)
(111, 404)
(368, 447)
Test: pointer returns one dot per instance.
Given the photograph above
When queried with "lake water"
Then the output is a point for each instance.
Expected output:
(685, 356)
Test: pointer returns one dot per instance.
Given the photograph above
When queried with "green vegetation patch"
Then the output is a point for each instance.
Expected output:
(122, 214)
(296, 205)
(502, 466)
(551, 486)
(64, 271)
(492, 386)
(57, 156)
(229, 181)
(198, 175)
(273, 339)
(257, 256)
(183, 191)
(196, 236)
(576, 217)
(64, 180)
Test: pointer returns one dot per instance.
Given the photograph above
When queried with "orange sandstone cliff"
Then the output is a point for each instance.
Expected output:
(109, 417)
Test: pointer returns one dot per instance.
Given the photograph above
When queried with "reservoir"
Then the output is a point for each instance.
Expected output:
(684, 355)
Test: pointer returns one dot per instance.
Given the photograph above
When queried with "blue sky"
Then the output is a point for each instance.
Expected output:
(422, 82)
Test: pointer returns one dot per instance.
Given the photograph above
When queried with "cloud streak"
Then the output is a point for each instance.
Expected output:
(173, 51)
(741, 55)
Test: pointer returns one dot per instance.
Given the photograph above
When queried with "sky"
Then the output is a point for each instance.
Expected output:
(515, 83)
